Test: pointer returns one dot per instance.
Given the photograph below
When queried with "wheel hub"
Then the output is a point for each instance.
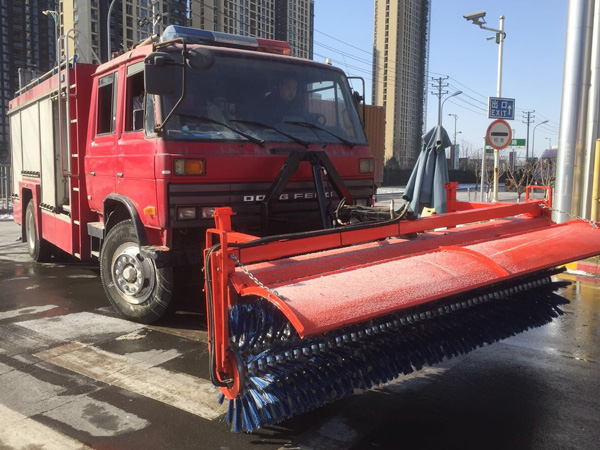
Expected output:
(133, 276)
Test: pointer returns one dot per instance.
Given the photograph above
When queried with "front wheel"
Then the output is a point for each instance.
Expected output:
(136, 288)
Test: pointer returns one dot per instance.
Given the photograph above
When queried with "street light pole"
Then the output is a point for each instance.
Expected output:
(533, 139)
(478, 19)
(442, 105)
(56, 18)
(455, 119)
(108, 29)
(549, 142)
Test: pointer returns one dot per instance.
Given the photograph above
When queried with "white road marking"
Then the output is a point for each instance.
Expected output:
(5, 369)
(152, 358)
(192, 335)
(133, 336)
(191, 394)
(23, 311)
(97, 418)
(83, 326)
(20, 432)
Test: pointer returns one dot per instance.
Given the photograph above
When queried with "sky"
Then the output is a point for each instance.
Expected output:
(532, 69)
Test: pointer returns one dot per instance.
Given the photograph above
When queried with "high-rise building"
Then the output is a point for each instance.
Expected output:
(286, 20)
(26, 48)
(131, 21)
(399, 75)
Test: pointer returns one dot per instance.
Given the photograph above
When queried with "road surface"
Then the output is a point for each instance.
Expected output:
(73, 375)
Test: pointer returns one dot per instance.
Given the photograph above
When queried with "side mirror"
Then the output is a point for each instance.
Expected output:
(200, 58)
(161, 73)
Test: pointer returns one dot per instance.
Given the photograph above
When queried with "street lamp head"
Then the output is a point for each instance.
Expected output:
(477, 17)
(456, 93)
(542, 123)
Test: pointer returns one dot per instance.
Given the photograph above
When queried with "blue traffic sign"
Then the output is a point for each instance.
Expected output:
(501, 108)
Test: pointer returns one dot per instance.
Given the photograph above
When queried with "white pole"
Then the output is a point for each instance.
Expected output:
(574, 68)
(593, 121)
(483, 169)
(500, 38)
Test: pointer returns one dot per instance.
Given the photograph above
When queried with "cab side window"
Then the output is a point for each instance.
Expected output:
(107, 101)
(134, 114)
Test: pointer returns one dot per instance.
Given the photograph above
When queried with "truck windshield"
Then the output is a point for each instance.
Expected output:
(265, 99)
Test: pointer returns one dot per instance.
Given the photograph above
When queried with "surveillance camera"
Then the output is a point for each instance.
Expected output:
(475, 16)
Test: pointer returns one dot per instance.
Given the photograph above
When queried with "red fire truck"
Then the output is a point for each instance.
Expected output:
(126, 161)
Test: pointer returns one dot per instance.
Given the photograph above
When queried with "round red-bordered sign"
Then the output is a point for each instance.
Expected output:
(499, 134)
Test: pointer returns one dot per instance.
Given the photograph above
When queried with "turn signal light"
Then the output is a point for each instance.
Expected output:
(189, 167)
(150, 211)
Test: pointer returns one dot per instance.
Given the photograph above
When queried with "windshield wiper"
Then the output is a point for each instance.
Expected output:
(316, 127)
(260, 142)
(270, 127)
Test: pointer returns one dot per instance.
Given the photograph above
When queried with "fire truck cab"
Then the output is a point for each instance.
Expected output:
(131, 167)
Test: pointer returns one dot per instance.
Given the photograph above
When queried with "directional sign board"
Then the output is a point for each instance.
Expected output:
(513, 143)
(501, 108)
(499, 134)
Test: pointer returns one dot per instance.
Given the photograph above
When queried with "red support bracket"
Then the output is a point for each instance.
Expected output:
(547, 201)
(220, 267)
(451, 196)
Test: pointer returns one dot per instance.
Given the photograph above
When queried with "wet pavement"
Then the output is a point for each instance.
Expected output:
(74, 375)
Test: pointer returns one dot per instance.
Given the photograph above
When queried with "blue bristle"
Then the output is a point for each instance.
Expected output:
(236, 424)
(287, 375)
(230, 411)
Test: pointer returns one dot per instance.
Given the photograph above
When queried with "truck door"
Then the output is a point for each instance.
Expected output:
(136, 165)
(103, 153)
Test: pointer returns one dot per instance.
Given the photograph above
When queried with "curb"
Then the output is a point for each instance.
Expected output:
(591, 269)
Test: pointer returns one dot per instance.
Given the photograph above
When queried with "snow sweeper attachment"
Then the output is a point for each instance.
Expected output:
(298, 321)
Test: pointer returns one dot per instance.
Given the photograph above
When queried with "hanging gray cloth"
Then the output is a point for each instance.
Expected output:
(426, 185)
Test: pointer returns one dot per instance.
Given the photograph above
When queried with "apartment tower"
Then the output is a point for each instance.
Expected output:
(27, 50)
(131, 21)
(401, 36)
(286, 20)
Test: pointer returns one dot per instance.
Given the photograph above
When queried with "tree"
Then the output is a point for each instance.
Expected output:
(522, 176)
(545, 172)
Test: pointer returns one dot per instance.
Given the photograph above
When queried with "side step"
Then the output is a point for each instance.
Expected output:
(96, 232)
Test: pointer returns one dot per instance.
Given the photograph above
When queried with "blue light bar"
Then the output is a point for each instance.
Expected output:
(196, 36)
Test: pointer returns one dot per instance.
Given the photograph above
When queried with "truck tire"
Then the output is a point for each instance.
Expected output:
(136, 288)
(39, 249)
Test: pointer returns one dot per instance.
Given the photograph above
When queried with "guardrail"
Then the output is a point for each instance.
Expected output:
(5, 189)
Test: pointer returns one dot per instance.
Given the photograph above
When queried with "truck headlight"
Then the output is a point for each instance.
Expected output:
(208, 212)
(187, 213)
